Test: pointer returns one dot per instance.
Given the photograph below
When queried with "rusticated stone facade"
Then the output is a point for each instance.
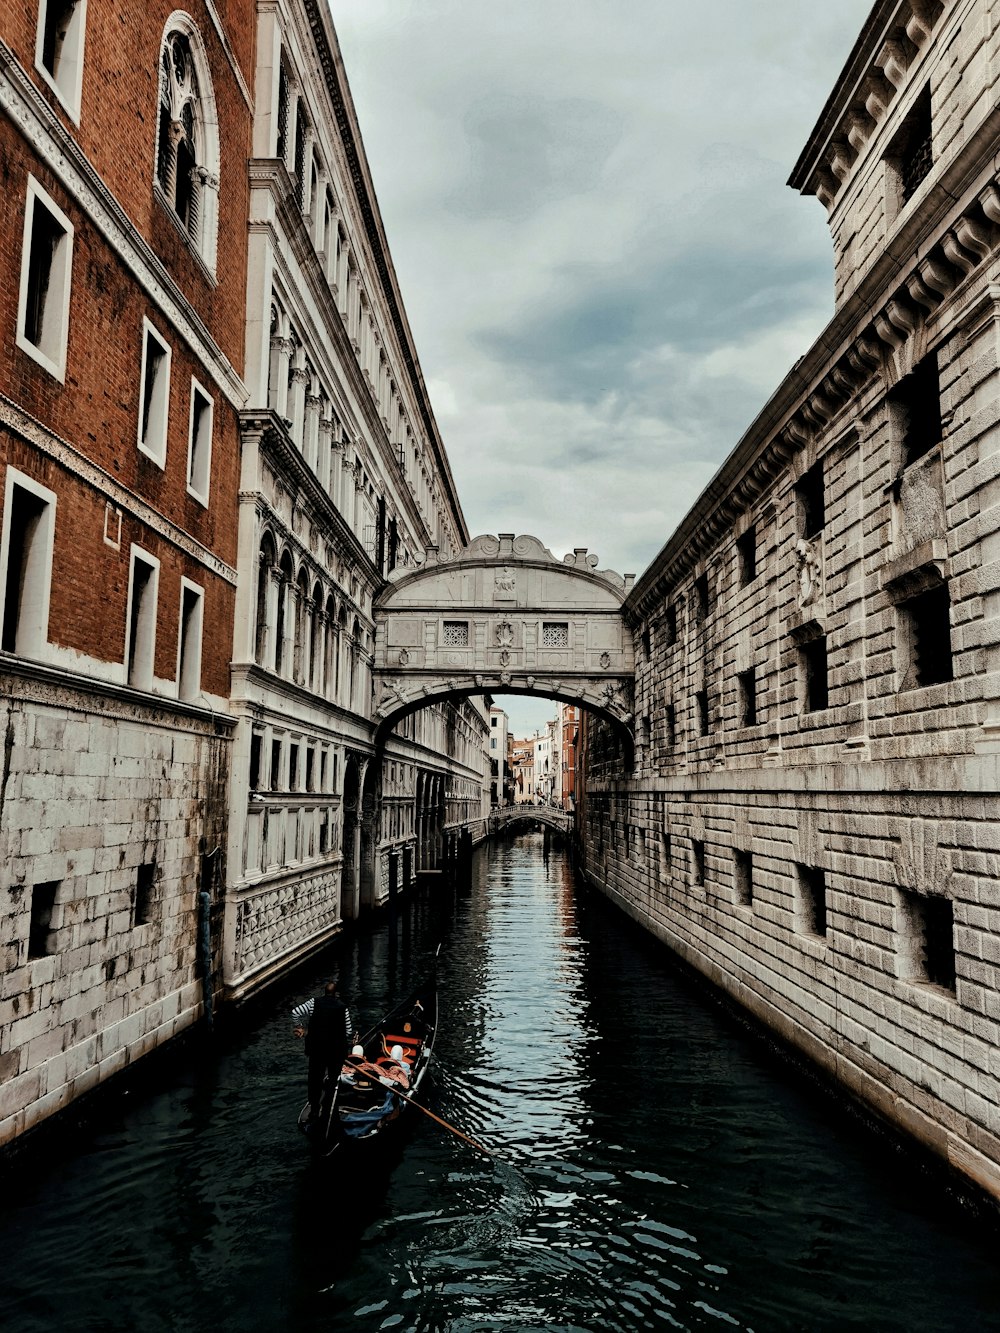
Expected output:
(812, 817)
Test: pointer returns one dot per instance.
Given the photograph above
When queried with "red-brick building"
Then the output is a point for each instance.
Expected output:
(124, 140)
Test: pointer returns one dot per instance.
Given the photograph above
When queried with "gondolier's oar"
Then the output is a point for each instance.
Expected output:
(395, 1088)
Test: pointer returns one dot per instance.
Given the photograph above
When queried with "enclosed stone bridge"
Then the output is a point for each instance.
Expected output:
(560, 820)
(504, 616)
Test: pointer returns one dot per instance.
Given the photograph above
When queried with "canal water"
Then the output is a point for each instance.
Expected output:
(655, 1167)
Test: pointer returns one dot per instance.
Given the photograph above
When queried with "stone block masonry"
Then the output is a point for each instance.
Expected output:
(103, 864)
(812, 818)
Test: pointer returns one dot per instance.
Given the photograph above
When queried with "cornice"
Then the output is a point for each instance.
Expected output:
(272, 174)
(291, 466)
(51, 142)
(19, 422)
(327, 51)
(55, 686)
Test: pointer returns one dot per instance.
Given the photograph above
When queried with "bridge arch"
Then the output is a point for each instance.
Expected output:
(503, 616)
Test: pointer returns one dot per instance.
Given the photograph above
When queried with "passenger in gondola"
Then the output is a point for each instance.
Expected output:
(353, 1065)
(325, 1022)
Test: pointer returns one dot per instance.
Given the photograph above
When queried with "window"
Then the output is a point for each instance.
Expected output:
(142, 594)
(815, 681)
(493, 721)
(142, 896)
(925, 624)
(41, 930)
(293, 767)
(812, 900)
(275, 765)
(59, 49)
(154, 379)
(701, 707)
(189, 644)
(310, 768)
(555, 634)
(26, 564)
(746, 554)
(46, 271)
(810, 496)
(200, 443)
(915, 408)
(701, 597)
(256, 741)
(456, 634)
(743, 878)
(187, 146)
(670, 717)
(697, 861)
(910, 156)
(670, 627)
(927, 939)
(746, 689)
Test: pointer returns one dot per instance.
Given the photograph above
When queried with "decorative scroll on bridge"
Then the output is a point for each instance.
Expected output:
(503, 616)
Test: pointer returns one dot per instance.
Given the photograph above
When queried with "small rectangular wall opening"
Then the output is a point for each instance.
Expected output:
(812, 918)
(743, 877)
(915, 410)
(926, 939)
(697, 861)
(154, 395)
(142, 895)
(811, 501)
(925, 622)
(746, 697)
(670, 718)
(255, 748)
(41, 929)
(746, 554)
(200, 443)
(46, 274)
(275, 765)
(190, 645)
(815, 677)
(701, 712)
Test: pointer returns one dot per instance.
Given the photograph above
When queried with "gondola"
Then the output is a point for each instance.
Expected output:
(368, 1100)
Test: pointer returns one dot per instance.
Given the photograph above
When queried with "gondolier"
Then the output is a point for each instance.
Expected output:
(325, 1022)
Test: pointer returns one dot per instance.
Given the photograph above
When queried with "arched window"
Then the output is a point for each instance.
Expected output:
(265, 577)
(187, 140)
(281, 619)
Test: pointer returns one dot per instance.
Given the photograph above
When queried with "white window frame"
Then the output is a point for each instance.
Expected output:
(188, 676)
(67, 83)
(144, 676)
(52, 357)
(160, 408)
(194, 484)
(32, 631)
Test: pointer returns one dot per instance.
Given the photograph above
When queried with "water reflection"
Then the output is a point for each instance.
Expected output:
(656, 1169)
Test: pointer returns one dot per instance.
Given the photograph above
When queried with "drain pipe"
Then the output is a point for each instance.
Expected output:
(204, 951)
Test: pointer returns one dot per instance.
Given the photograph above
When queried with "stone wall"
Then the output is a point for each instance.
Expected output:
(812, 817)
(111, 809)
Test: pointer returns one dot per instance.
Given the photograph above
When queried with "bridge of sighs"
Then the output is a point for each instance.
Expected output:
(504, 616)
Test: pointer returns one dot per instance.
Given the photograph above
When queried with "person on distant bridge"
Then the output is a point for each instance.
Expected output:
(325, 1022)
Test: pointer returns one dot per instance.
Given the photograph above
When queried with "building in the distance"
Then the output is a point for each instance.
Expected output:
(569, 726)
(500, 776)
(523, 765)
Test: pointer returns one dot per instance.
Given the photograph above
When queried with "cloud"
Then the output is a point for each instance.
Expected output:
(604, 270)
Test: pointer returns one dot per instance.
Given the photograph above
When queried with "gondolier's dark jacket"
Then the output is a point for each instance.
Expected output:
(328, 1020)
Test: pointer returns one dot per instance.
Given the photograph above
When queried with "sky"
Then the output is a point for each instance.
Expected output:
(605, 273)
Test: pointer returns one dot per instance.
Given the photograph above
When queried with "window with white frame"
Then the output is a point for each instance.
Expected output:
(46, 271)
(26, 564)
(187, 142)
(199, 469)
(154, 398)
(189, 640)
(456, 634)
(59, 49)
(140, 645)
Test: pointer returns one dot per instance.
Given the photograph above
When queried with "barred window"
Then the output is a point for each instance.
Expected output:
(456, 634)
(555, 634)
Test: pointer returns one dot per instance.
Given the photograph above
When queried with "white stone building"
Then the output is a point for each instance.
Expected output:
(812, 820)
(344, 478)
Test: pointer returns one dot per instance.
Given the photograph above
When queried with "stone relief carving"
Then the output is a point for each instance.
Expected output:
(809, 569)
(505, 583)
(605, 661)
(505, 658)
(505, 634)
(404, 657)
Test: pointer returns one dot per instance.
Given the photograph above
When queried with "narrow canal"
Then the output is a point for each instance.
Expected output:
(657, 1167)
